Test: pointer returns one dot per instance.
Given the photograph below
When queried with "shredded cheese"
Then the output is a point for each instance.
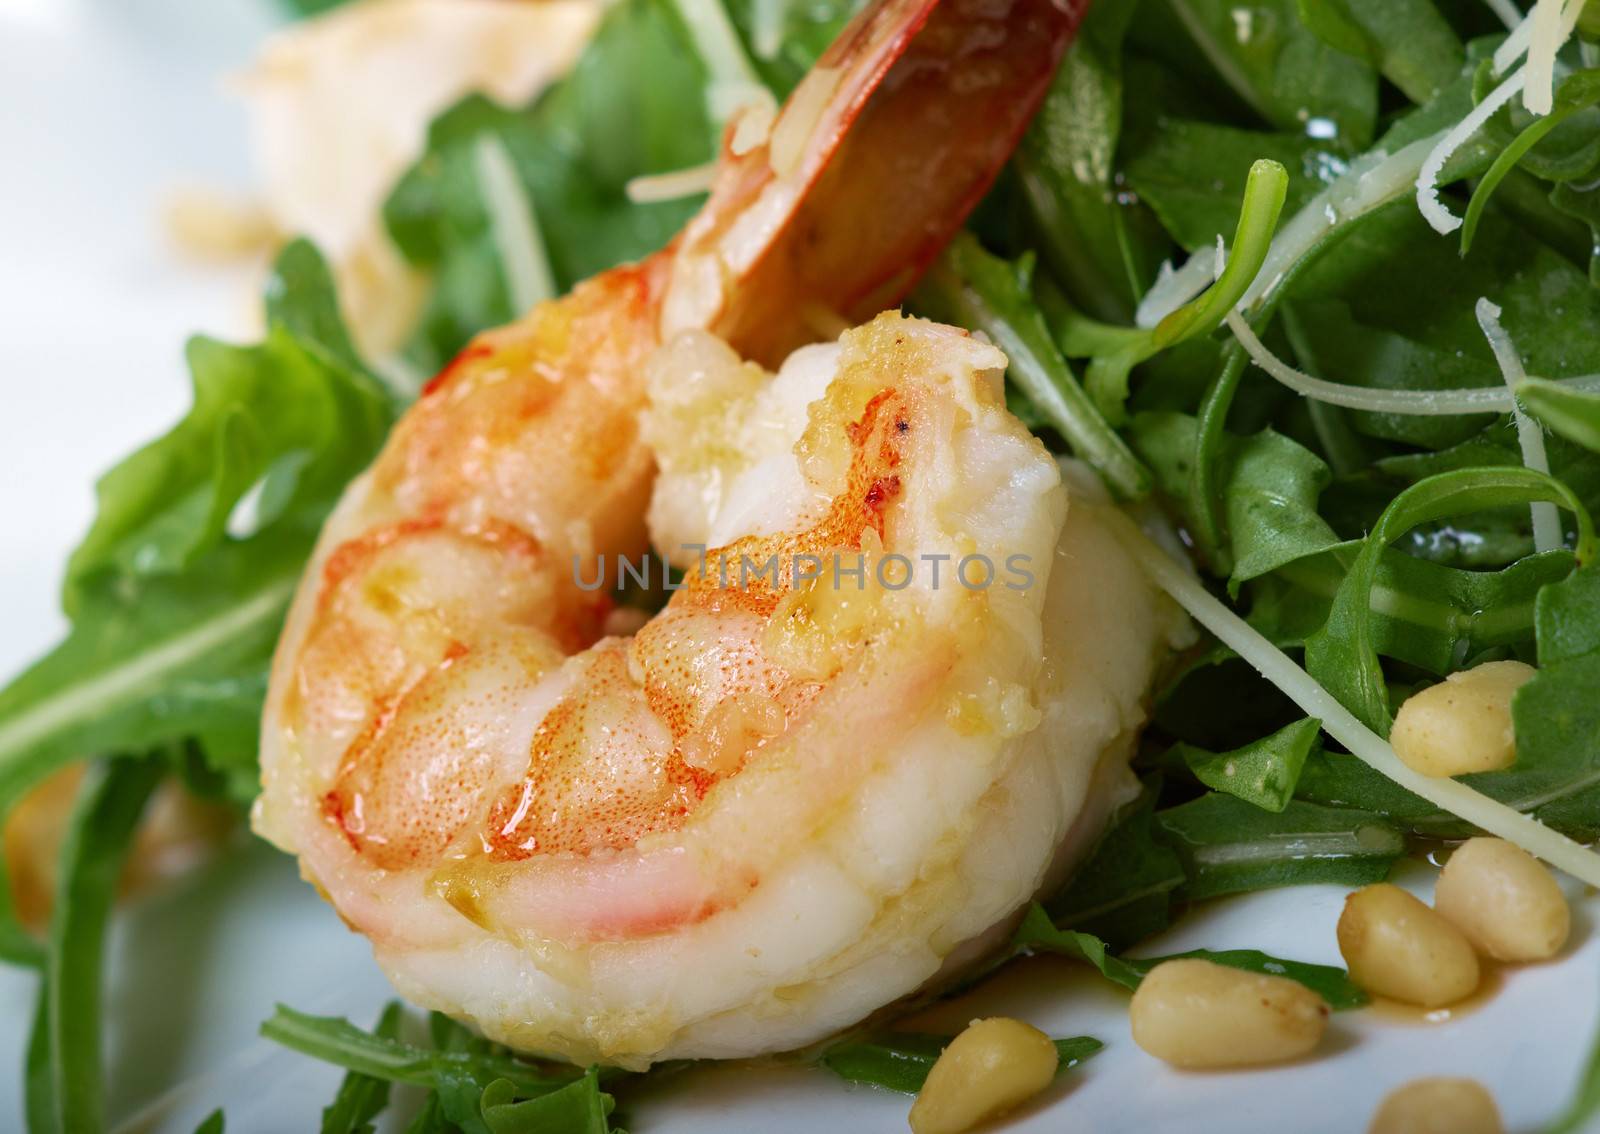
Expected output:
(1441, 218)
(798, 121)
(1174, 288)
(1546, 520)
(1374, 400)
(1417, 403)
(1540, 36)
(1515, 45)
(671, 186)
(753, 127)
(1272, 663)
(1538, 95)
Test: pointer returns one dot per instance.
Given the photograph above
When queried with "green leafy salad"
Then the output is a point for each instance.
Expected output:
(1316, 281)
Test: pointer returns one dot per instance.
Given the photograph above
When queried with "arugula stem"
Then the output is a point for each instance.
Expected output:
(1264, 193)
(1504, 164)
(38, 1090)
(65, 1078)
(1206, 501)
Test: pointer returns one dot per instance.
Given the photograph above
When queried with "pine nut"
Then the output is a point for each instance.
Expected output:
(992, 1066)
(1398, 947)
(1504, 900)
(1437, 1106)
(1194, 1013)
(1462, 724)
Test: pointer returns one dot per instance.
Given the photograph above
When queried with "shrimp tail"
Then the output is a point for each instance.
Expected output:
(832, 212)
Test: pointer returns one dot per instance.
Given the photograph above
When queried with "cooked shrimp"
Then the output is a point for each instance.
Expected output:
(785, 801)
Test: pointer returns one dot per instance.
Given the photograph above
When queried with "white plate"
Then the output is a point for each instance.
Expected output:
(107, 104)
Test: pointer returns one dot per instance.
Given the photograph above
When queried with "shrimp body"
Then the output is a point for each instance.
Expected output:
(806, 787)
(779, 805)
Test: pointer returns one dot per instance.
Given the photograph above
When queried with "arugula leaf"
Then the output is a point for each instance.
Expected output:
(1263, 772)
(1278, 66)
(1037, 933)
(1557, 773)
(287, 410)
(1409, 42)
(1575, 414)
(1342, 655)
(1066, 168)
(361, 1098)
(1568, 618)
(1582, 204)
(1229, 846)
(430, 1118)
(1122, 891)
(1563, 145)
(475, 1086)
(65, 1079)
(900, 1061)
(1338, 780)
(1388, 271)
(1423, 613)
(1577, 94)
(213, 1123)
(632, 105)
(175, 604)
(1218, 701)
(1191, 173)
(578, 1108)
(1556, 715)
(1269, 486)
(1204, 495)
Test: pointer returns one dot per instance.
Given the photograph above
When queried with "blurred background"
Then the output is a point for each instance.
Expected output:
(112, 105)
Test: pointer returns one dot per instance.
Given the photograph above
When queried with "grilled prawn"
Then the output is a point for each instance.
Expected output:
(791, 797)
